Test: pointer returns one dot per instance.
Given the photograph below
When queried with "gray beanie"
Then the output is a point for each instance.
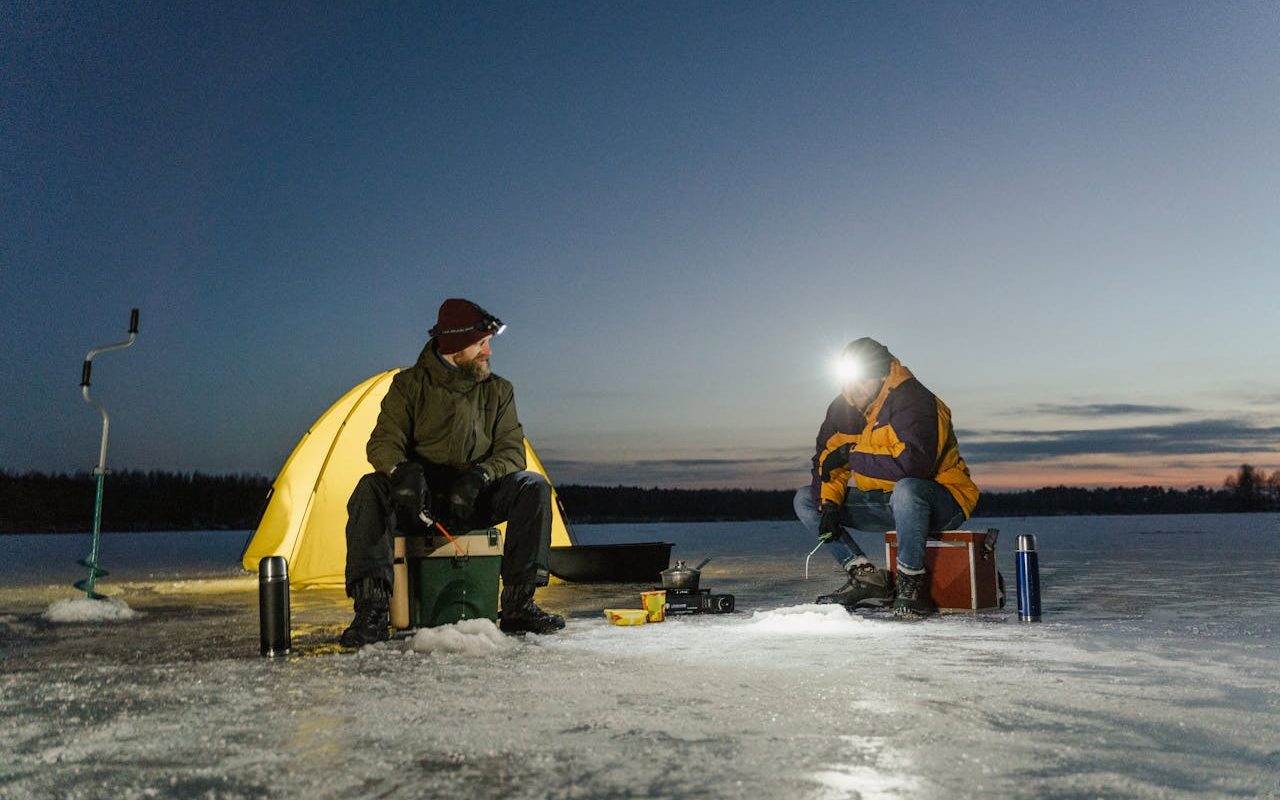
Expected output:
(872, 354)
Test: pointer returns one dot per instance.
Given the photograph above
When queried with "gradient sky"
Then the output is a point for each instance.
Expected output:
(1064, 218)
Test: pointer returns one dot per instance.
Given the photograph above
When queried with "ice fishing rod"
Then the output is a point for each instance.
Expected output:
(427, 519)
(806, 559)
(100, 472)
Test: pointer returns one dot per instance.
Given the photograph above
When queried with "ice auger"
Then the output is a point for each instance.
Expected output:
(100, 472)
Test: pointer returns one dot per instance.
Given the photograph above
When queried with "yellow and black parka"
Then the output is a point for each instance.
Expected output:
(906, 432)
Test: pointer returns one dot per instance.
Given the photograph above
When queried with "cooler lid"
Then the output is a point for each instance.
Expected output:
(481, 542)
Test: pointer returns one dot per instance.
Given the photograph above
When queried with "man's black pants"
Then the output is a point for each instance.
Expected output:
(523, 499)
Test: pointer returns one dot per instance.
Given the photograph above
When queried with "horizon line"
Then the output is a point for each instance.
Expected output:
(643, 487)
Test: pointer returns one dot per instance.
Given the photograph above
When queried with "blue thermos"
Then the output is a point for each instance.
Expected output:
(1028, 568)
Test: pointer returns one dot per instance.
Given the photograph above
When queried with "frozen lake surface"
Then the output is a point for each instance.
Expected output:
(1156, 673)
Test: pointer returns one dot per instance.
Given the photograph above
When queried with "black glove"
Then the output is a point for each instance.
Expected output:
(829, 524)
(408, 492)
(464, 493)
(835, 460)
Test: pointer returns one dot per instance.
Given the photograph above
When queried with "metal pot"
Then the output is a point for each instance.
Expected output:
(682, 576)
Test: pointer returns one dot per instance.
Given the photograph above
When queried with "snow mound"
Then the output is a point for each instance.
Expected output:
(470, 637)
(83, 609)
(810, 619)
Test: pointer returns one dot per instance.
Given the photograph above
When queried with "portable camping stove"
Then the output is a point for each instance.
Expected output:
(697, 601)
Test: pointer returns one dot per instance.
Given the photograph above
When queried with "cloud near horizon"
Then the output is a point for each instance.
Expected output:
(1198, 437)
(1175, 453)
(1107, 409)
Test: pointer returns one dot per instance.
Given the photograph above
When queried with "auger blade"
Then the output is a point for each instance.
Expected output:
(86, 587)
(95, 571)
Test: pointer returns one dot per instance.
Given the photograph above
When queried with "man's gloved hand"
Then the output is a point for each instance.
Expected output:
(464, 493)
(836, 459)
(829, 524)
(408, 491)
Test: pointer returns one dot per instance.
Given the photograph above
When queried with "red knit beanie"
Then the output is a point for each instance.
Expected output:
(462, 323)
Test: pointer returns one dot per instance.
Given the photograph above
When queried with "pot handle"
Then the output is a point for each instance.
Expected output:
(703, 564)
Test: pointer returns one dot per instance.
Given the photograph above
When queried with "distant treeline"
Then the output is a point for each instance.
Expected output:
(1247, 490)
(144, 501)
(34, 502)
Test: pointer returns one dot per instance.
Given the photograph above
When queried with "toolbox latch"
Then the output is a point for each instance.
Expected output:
(989, 544)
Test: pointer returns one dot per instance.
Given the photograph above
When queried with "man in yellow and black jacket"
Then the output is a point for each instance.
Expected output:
(886, 458)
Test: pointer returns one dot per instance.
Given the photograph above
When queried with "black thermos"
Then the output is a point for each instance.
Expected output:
(273, 605)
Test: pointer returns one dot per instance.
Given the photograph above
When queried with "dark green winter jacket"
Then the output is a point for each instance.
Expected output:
(442, 416)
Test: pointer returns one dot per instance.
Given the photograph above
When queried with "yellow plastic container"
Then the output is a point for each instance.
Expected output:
(655, 604)
(626, 616)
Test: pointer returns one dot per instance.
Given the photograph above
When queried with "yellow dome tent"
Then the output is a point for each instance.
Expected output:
(306, 516)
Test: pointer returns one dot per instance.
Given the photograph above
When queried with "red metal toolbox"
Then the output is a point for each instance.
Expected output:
(961, 567)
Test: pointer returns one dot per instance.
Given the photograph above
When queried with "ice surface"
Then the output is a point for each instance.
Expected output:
(84, 609)
(1154, 675)
(888, 779)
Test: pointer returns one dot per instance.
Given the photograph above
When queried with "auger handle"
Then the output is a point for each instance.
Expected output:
(87, 371)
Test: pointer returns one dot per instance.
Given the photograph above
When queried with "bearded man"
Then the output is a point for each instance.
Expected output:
(448, 442)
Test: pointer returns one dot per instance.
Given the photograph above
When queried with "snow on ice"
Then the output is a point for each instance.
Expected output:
(84, 609)
(470, 637)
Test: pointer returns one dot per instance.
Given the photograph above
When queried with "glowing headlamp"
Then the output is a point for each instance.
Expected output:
(849, 370)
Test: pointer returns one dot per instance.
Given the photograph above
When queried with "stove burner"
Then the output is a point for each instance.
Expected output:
(697, 601)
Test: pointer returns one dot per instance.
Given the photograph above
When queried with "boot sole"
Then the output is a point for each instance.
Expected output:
(523, 631)
(872, 602)
(913, 614)
(362, 643)
(832, 600)
(516, 629)
(861, 602)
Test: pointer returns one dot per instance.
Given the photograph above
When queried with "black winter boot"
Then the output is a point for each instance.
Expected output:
(867, 586)
(373, 614)
(521, 615)
(911, 600)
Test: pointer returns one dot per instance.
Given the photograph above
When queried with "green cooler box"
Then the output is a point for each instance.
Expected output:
(449, 582)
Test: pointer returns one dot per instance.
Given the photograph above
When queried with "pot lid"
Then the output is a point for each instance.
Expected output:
(682, 568)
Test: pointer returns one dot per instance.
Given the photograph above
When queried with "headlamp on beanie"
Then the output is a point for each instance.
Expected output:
(490, 325)
(849, 370)
(862, 358)
(462, 323)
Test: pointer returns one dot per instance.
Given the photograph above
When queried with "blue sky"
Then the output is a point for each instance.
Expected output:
(1062, 217)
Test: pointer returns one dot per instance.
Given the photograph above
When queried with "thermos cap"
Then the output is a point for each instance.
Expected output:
(273, 568)
(1026, 543)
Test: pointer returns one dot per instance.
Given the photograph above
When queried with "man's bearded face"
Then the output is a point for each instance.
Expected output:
(474, 360)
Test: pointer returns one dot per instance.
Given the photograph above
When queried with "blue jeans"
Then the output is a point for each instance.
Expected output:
(915, 508)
